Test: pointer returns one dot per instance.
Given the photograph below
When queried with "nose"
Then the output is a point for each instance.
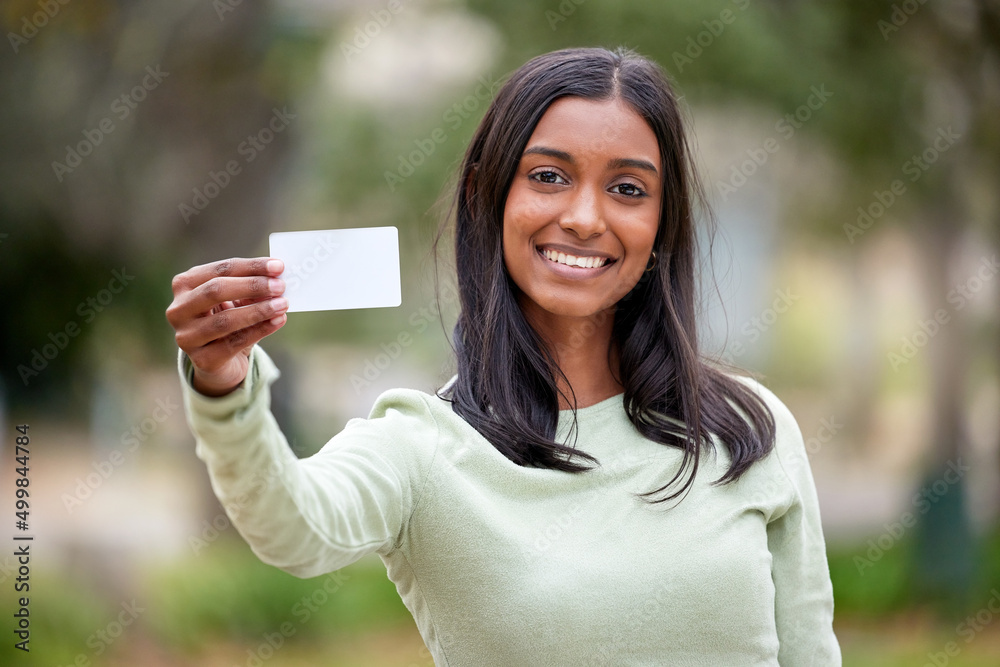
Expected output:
(583, 216)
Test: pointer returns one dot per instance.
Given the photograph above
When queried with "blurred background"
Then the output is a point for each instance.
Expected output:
(851, 152)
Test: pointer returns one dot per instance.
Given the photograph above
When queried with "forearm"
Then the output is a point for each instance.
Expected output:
(307, 517)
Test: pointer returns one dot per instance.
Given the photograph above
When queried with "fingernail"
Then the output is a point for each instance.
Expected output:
(279, 304)
(278, 320)
(275, 266)
(276, 286)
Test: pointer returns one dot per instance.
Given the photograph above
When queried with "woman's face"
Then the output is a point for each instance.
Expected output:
(583, 209)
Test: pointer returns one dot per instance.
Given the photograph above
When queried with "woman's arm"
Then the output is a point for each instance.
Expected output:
(314, 515)
(803, 604)
(309, 516)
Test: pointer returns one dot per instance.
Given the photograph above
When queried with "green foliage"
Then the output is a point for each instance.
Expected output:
(871, 581)
(64, 614)
(766, 52)
(871, 584)
(226, 592)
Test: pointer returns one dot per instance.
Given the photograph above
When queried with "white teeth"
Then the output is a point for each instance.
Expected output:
(573, 260)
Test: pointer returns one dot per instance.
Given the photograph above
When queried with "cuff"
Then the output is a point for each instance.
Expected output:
(230, 410)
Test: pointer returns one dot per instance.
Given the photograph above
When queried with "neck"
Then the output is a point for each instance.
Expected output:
(583, 350)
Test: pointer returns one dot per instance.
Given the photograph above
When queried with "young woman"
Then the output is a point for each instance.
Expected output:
(588, 489)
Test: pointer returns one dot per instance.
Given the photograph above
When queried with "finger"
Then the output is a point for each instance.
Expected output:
(239, 302)
(214, 296)
(213, 356)
(182, 307)
(205, 330)
(248, 302)
(236, 267)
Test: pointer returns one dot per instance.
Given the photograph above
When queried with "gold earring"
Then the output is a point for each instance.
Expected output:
(652, 262)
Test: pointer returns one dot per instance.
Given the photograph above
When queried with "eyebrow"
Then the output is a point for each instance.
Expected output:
(622, 162)
(614, 163)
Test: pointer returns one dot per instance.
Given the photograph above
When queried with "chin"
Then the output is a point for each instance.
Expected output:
(569, 308)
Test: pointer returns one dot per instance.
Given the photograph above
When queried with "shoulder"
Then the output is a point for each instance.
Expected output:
(409, 408)
(409, 415)
(784, 421)
(787, 460)
(401, 437)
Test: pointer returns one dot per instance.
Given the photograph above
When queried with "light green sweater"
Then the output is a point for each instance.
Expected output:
(503, 565)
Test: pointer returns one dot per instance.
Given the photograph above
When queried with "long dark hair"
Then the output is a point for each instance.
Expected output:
(506, 385)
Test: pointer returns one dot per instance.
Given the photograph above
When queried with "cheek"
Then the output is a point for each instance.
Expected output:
(528, 211)
(642, 236)
(639, 235)
(522, 219)
(510, 238)
(516, 245)
(630, 277)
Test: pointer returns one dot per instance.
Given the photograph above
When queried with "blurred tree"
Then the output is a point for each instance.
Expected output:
(119, 120)
(958, 50)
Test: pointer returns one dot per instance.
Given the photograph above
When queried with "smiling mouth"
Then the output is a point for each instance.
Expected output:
(574, 261)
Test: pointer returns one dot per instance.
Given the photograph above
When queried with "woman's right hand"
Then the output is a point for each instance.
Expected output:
(220, 311)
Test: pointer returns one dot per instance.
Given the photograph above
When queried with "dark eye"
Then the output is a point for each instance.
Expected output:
(629, 190)
(547, 177)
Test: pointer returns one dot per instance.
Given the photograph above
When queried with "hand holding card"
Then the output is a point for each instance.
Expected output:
(337, 269)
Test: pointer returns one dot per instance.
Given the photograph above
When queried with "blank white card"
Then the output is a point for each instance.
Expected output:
(337, 269)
